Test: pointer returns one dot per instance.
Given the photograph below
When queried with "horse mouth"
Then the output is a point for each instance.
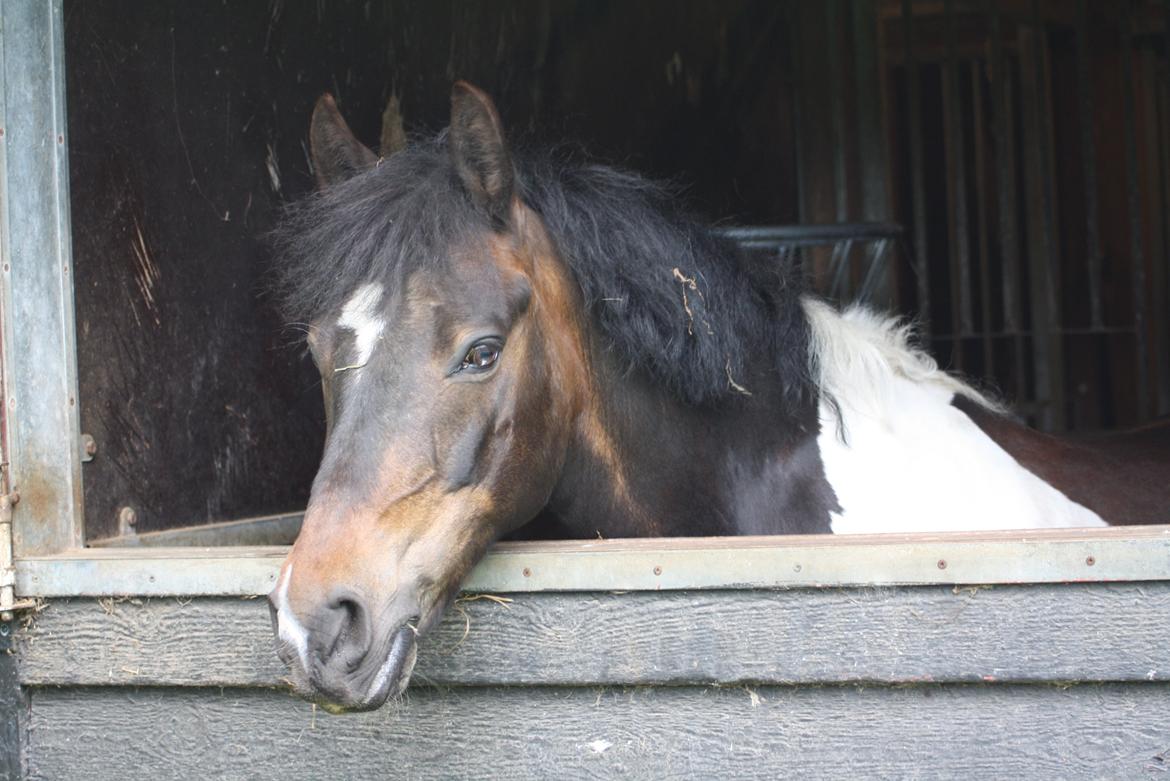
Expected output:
(394, 674)
(389, 680)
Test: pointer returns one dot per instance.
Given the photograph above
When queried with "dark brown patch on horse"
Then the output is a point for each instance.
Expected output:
(1121, 477)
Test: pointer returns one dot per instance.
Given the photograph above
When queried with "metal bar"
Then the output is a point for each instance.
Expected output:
(876, 266)
(982, 221)
(956, 145)
(1009, 245)
(36, 287)
(1151, 132)
(1162, 304)
(918, 185)
(837, 98)
(839, 264)
(796, 44)
(1047, 347)
(812, 561)
(267, 530)
(1089, 166)
(1137, 247)
(798, 235)
(871, 139)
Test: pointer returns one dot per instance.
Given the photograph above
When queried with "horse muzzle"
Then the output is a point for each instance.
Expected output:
(338, 657)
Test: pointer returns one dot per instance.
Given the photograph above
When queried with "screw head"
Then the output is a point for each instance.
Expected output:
(942, 563)
(658, 570)
(1091, 561)
(527, 572)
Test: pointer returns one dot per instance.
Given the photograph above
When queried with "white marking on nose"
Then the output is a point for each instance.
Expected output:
(360, 315)
(288, 628)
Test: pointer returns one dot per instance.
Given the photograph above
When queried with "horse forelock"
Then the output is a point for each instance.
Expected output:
(668, 295)
(377, 227)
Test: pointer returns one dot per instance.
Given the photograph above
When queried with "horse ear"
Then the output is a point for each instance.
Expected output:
(337, 154)
(478, 150)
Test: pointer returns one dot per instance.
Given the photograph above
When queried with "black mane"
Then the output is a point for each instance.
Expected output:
(672, 297)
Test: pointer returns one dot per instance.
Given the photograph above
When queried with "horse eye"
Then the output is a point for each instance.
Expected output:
(482, 356)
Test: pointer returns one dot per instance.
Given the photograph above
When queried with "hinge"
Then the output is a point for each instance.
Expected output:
(9, 604)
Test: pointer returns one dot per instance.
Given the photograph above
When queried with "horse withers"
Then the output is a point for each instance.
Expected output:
(507, 337)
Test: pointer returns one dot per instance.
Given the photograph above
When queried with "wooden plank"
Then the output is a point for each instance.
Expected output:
(1034, 556)
(969, 732)
(1094, 632)
(13, 708)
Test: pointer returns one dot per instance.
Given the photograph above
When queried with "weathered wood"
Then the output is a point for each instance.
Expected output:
(966, 731)
(1076, 632)
(12, 709)
(1135, 553)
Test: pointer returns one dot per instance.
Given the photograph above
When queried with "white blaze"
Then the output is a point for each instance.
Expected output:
(288, 628)
(362, 316)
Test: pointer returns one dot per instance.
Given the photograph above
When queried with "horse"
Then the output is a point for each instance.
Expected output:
(508, 337)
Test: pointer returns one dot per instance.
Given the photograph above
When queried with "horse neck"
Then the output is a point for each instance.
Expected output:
(642, 463)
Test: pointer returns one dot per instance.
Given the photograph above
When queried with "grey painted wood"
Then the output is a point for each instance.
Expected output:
(12, 708)
(1074, 632)
(929, 731)
(1131, 553)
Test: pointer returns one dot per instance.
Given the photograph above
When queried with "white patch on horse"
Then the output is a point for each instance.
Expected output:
(899, 456)
(361, 315)
(288, 628)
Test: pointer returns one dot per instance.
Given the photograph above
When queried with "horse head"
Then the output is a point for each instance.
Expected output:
(452, 371)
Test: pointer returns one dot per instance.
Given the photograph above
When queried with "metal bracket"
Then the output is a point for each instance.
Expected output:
(9, 604)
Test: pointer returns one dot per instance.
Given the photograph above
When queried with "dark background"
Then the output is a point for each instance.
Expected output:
(1024, 145)
(187, 125)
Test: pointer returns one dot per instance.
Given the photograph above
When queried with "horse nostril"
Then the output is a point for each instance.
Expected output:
(345, 631)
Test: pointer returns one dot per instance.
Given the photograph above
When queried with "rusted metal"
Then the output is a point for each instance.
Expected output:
(1041, 556)
(9, 604)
